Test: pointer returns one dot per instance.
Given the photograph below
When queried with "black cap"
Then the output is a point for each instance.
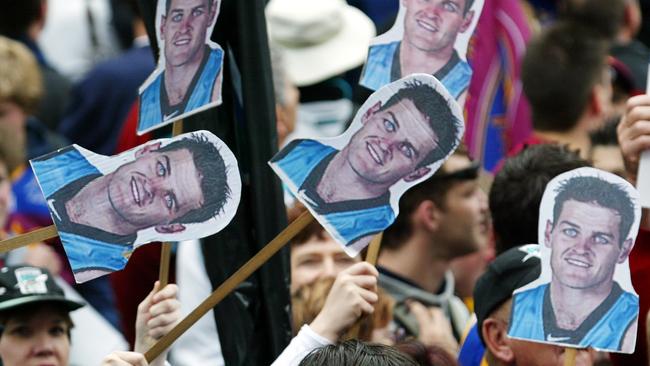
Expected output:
(22, 285)
(511, 270)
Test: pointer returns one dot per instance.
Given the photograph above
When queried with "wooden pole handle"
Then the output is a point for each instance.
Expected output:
(34, 236)
(373, 249)
(230, 284)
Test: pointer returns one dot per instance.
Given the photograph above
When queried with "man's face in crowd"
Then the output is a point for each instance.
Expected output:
(432, 25)
(5, 194)
(585, 245)
(465, 216)
(184, 28)
(13, 135)
(156, 188)
(35, 340)
(510, 351)
(317, 259)
(391, 143)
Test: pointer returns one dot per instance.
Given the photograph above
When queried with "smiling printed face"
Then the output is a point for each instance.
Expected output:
(391, 144)
(184, 29)
(156, 188)
(585, 245)
(433, 25)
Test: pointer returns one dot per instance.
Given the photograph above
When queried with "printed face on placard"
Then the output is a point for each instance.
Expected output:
(188, 77)
(584, 297)
(352, 183)
(429, 36)
(103, 207)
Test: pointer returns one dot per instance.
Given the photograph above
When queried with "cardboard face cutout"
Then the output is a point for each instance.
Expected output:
(352, 183)
(429, 37)
(188, 77)
(183, 188)
(584, 297)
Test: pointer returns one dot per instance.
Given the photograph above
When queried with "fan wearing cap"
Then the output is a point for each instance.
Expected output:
(35, 321)
(430, 32)
(511, 270)
(191, 77)
(34, 316)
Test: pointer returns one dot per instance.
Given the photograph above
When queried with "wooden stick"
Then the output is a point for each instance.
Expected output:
(570, 356)
(34, 236)
(373, 249)
(230, 284)
(166, 248)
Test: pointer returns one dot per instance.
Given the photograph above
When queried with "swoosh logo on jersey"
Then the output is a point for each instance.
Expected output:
(168, 116)
(550, 338)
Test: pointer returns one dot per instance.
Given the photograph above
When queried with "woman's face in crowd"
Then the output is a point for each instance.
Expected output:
(40, 339)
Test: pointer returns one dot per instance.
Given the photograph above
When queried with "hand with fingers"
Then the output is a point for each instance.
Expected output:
(434, 327)
(125, 359)
(157, 314)
(353, 294)
(634, 133)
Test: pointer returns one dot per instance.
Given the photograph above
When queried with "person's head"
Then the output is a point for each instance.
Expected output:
(34, 318)
(512, 269)
(183, 29)
(426, 355)
(20, 93)
(449, 208)
(166, 187)
(566, 78)
(19, 16)
(590, 231)
(400, 138)
(432, 26)
(354, 352)
(314, 254)
(287, 95)
(518, 188)
(605, 17)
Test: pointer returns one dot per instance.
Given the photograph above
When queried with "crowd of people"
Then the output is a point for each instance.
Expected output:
(441, 290)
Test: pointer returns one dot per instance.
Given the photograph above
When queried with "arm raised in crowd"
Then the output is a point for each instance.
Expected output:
(158, 313)
(634, 137)
(353, 294)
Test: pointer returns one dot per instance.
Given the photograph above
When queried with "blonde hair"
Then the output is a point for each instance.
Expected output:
(20, 77)
(309, 300)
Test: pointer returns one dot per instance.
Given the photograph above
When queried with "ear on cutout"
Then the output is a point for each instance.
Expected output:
(170, 228)
(417, 174)
(467, 21)
(547, 233)
(626, 248)
(370, 112)
(147, 149)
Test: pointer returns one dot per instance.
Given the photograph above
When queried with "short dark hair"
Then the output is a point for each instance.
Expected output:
(468, 5)
(605, 17)
(518, 188)
(596, 190)
(559, 70)
(168, 4)
(355, 352)
(440, 117)
(17, 15)
(28, 310)
(434, 188)
(214, 184)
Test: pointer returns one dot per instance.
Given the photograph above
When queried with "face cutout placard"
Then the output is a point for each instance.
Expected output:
(188, 77)
(584, 297)
(183, 188)
(352, 183)
(427, 37)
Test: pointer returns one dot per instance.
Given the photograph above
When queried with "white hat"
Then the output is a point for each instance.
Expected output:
(319, 38)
